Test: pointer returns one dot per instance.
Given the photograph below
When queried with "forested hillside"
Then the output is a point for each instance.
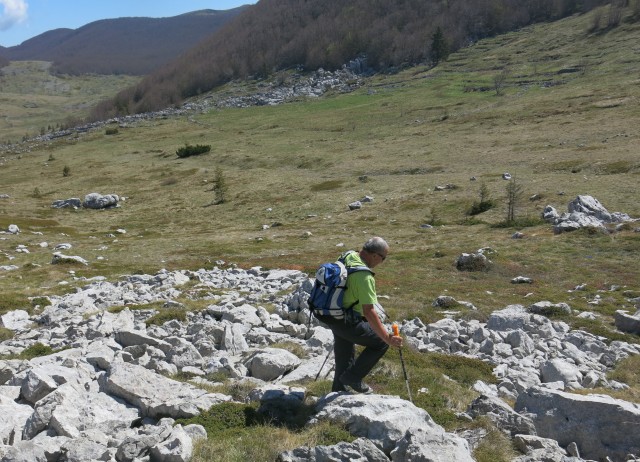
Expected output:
(132, 46)
(279, 34)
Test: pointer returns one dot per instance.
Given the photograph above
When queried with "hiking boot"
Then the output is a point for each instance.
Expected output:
(356, 386)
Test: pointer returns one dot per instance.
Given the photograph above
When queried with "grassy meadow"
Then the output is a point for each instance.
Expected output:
(33, 101)
(555, 105)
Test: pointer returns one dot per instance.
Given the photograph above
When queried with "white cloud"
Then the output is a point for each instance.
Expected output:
(13, 12)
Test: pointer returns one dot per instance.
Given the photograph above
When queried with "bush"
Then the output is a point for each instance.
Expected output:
(111, 131)
(480, 207)
(35, 350)
(225, 416)
(188, 150)
(40, 301)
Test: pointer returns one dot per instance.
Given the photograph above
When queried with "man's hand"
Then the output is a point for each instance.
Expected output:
(395, 341)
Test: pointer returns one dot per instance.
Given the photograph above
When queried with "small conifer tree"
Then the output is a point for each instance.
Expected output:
(485, 202)
(439, 47)
(220, 187)
(514, 194)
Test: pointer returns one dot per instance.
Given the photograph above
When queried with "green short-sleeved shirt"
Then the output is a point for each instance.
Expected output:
(361, 286)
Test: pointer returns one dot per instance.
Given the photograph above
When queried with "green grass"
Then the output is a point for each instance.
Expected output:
(13, 301)
(238, 432)
(301, 164)
(439, 383)
(167, 314)
(495, 447)
(34, 100)
(5, 334)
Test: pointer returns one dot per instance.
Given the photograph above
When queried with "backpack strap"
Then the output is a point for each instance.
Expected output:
(351, 270)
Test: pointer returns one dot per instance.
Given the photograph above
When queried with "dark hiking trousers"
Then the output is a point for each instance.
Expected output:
(346, 337)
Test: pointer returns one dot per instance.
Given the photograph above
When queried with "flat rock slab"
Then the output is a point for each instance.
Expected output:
(155, 395)
(601, 426)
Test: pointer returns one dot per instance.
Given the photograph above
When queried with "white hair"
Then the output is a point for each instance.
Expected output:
(376, 245)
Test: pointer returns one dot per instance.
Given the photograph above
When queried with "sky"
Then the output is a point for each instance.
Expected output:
(21, 20)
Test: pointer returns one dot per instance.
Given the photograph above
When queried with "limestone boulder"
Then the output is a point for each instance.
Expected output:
(178, 447)
(599, 425)
(245, 314)
(72, 410)
(560, 370)
(425, 444)
(361, 450)
(155, 395)
(628, 323)
(15, 320)
(98, 201)
(380, 418)
(271, 363)
(502, 415)
(13, 418)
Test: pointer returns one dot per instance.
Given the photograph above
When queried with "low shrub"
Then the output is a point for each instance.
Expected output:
(188, 150)
(36, 350)
(479, 207)
(111, 131)
(40, 301)
(225, 416)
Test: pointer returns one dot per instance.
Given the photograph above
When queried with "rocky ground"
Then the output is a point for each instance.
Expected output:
(105, 394)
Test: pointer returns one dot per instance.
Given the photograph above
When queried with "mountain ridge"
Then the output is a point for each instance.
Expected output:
(97, 47)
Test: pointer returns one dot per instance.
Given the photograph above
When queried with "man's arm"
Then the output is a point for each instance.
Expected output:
(374, 321)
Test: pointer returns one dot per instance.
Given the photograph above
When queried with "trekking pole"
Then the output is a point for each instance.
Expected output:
(396, 333)
(322, 367)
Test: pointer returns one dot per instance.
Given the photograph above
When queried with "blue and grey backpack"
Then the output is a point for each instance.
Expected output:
(328, 290)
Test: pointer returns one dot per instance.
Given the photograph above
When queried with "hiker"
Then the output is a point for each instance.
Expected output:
(361, 326)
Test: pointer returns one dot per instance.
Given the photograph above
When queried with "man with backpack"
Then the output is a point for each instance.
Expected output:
(360, 324)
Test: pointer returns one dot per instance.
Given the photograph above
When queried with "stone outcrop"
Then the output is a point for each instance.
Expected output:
(393, 424)
(627, 322)
(98, 201)
(583, 212)
(599, 425)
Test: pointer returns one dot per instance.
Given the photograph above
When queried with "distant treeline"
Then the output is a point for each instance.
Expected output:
(279, 34)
